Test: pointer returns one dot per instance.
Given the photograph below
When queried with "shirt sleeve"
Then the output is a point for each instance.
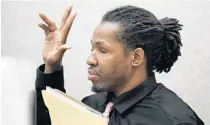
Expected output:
(54, 80)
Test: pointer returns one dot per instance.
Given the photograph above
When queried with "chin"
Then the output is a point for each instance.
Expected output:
(98, 89)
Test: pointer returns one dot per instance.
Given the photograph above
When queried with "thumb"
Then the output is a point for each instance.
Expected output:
(63, 48)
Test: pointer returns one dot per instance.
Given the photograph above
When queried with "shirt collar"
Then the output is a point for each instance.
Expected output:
(128, 99)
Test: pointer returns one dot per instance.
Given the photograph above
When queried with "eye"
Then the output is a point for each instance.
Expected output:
(103, 51)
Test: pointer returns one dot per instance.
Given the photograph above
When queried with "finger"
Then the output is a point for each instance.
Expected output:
(66, 15)
(68, 24)
(44, 27)
(63, 48)
(49, 22)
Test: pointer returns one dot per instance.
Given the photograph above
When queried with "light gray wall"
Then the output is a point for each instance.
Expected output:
(22, 42)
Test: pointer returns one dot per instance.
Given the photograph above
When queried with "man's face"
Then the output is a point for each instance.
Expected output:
(109, 68)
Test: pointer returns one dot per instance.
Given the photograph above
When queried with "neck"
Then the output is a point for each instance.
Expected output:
(136, 78)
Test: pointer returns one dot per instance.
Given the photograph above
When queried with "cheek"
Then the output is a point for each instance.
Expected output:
(113, 65)
(108, 64)
(121, 68)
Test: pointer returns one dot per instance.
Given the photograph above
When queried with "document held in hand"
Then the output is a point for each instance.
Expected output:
(65, 110)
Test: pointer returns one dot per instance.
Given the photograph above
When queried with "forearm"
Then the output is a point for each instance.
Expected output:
(54, 80)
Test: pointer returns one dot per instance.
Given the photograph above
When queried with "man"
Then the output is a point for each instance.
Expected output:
(128, 45)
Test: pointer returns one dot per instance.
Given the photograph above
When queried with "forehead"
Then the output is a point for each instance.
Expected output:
(106, 31)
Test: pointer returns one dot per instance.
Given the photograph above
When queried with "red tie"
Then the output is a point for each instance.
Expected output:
(108, 109)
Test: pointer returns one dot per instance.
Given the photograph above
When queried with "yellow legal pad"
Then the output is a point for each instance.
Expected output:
(65, 110)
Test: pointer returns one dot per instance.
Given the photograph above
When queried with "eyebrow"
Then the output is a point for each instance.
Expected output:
(99, 42)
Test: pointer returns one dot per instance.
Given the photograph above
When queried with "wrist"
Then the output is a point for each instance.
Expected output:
(52, 68)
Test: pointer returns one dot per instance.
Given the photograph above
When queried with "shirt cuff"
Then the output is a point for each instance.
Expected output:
(54, 80)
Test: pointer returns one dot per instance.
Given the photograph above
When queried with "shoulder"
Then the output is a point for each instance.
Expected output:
(95, 100)
(171, 104)
(163, 107)
(149, 112)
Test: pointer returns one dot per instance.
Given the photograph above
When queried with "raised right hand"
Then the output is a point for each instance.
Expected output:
(55, 40)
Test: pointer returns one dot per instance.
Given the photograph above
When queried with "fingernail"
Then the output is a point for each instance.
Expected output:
(70, 5)
(40, 14)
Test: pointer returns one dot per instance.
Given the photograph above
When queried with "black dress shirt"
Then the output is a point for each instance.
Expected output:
(149, 103)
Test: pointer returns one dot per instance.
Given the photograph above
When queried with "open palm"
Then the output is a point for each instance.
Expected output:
(55, 40)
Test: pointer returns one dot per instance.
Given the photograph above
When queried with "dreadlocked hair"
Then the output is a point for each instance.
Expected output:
(160, 39)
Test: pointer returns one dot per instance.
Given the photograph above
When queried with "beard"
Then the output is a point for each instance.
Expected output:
(111, 79)
(110, 83)
(100, 87)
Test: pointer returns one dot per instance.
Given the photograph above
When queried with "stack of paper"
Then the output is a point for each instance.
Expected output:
(65, 110)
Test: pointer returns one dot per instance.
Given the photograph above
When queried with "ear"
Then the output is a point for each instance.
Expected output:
(138, 57)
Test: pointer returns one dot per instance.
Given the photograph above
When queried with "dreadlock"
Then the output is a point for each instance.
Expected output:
(160, 39)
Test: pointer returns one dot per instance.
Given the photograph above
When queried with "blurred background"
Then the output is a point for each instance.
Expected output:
(22, 42)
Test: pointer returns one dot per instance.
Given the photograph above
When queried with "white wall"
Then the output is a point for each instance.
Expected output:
(22, 42)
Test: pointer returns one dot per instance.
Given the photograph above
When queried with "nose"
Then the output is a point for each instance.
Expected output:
(91, 60)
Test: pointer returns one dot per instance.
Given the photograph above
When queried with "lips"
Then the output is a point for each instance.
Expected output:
(92, 72)
(92, 75)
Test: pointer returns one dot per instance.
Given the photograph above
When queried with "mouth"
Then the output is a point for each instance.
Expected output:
(93, 75)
